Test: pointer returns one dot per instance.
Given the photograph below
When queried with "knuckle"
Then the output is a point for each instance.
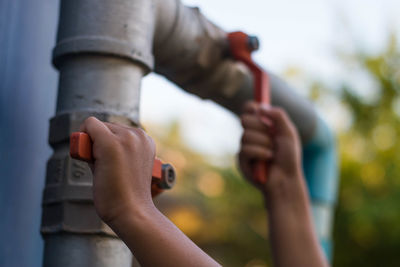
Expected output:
(282, 114)
(90, 120)
(140, 133)
(126, 134)
(151, 145)
(138, 139)
(280, 111)
(127, 137)
(150, 141)
(246, 120)
(250, 106)
(143, 136)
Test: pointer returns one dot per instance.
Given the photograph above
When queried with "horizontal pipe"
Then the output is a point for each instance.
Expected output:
(191, 51)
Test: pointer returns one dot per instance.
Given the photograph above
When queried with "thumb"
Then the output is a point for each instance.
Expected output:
(280, 120)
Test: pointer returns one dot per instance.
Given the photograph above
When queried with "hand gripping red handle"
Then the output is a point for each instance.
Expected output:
(163, 175)
(241, 45)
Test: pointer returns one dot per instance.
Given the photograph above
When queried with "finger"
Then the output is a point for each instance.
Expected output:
(115, 127)
(255, 152)
(122, 131)
(254, 123)
(96, 129)
(278, 116)
(251, 137)
(250, 107)
(125, 132)
(265, 120)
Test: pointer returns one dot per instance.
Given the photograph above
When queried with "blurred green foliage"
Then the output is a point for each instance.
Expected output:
(223, 214)
(214, 206)
(367, 220)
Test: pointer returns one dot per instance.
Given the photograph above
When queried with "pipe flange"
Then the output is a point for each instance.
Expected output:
(102, 45)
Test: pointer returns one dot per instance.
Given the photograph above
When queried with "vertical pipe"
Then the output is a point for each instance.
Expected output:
(321, 170)
(103, 50)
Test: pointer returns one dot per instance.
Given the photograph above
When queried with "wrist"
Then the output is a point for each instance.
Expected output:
(294, 214)
(131, 216)
(287, 193)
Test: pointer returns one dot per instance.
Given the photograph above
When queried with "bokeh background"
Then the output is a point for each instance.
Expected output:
(344, 55)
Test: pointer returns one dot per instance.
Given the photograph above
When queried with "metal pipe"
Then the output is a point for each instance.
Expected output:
(103, 50)
(191, 52)
(320, 165)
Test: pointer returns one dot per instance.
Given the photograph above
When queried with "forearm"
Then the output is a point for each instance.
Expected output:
(123, 161)
(292, 235)
(156, 241)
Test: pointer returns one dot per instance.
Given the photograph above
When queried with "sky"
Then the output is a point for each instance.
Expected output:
(306, 34)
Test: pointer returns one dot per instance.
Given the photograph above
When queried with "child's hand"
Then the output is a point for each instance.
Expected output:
(123, 161)
(270, 136)
(122, 196)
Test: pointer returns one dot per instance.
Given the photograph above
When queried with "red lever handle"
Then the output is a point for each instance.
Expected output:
(241, 45)
(163, 175)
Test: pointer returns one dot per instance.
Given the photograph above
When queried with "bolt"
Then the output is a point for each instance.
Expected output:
(171, 176)
(253, 43)
(168, 176)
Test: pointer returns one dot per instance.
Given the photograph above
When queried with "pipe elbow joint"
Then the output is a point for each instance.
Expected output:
(321, 164)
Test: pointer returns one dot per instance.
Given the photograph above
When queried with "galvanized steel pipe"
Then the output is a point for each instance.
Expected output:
(103, 50)
(191, 51)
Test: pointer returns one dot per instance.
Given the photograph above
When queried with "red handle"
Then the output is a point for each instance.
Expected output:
(163, 175)
(241, 45)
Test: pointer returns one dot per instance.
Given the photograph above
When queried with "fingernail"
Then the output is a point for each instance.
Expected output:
(265, 120)
(265, 106)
